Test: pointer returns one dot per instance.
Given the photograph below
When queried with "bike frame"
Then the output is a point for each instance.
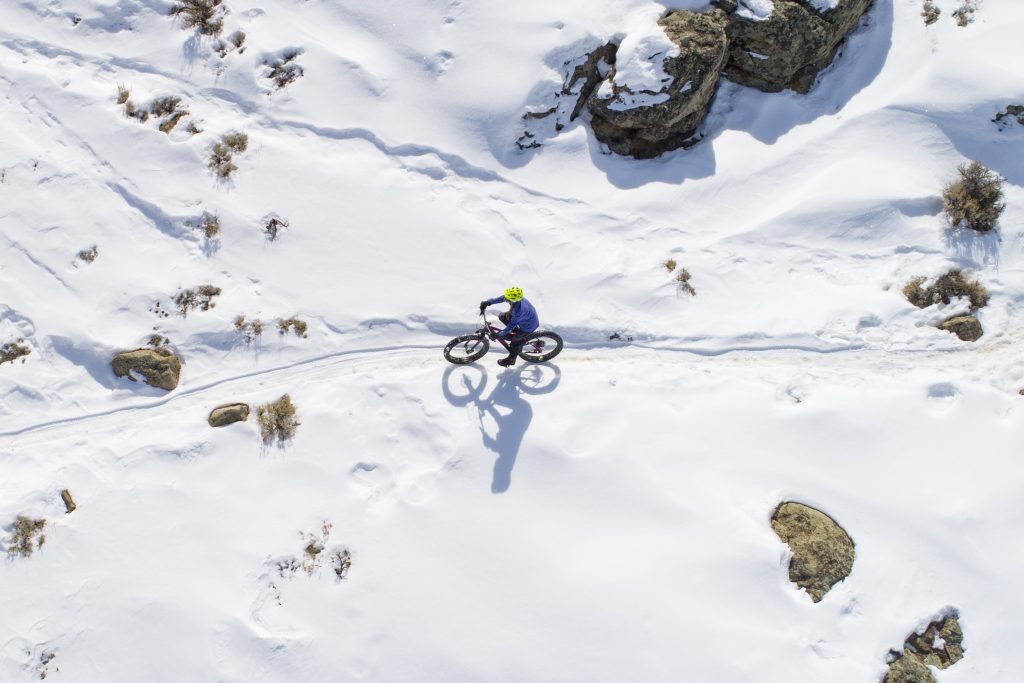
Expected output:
(492, 331)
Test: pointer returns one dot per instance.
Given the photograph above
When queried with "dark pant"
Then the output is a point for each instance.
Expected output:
(515, 337)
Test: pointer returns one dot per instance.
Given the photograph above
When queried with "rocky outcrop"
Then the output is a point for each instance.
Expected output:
(646, 131)
(822, 552)
(785, 48)
(158, 367)
(790, 46)
(228, 413)
(939, 645)
(967, 327)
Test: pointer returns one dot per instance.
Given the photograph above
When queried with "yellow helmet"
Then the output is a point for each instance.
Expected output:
(513, 294)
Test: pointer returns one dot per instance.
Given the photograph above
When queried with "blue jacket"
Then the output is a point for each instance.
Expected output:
(524, 316)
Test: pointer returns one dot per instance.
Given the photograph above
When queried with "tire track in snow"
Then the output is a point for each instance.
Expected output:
(853, 357)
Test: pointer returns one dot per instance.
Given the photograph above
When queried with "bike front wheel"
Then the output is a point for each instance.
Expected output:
(466, 349)
(540, 347)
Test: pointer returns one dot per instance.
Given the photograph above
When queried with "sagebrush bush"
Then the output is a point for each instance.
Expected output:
(683, 282)
(26, 531)
(251, 330)
(277, 421)
(12, 351)
(670, 264)
(294, 324)
(930, 12)
(975, 199)
(952, 285)
(204, 15)
(222, 154)
(201, 297)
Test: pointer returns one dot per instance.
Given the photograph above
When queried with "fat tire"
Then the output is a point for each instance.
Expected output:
(525, 354)
(476, 355)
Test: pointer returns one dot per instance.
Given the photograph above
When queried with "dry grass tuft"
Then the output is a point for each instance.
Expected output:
(251, 330)
(930, 12)
(683, 282)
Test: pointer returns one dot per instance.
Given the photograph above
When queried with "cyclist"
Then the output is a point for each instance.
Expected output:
(520, 320)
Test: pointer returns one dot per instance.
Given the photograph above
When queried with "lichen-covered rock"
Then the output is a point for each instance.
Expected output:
(822, 551)
(908, 669)
(791, 46)
(158, 367)
(645, 131)
(229, 413)
(967, 327)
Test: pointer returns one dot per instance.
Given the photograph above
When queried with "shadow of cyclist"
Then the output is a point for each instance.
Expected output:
(504, 415)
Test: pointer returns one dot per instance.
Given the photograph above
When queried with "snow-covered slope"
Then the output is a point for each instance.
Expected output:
(601, 518)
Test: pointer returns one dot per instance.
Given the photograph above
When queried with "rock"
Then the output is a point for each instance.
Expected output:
(908, 669)
(1014, 112)
(158, 367)
(69, 502)
(822, 551)
(966, 327)
(790, 47)
(229, 413)
(646, 131)
(939, 645)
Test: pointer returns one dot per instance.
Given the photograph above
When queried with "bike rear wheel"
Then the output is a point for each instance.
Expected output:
(540, 347)
(466, 349)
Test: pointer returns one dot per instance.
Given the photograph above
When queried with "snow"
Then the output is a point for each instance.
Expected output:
(756, 10)
(640, 64)
(602, 517)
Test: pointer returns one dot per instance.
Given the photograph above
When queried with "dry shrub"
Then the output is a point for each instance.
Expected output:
(670, 264)
(204, 15)
(277, 421)
(964, 14)
(123, 93)
(201, 297)
(952, 285)
(222, 155)
(930, 12)
(222, 162)
(157, 341)
(26, 531)
(975, 199)
(683, 282)
(89, 255)
(209, 223)
(283, 70)
(236, 142)
(12, 351)
(293, 324)
(251, 330)
(272, 224)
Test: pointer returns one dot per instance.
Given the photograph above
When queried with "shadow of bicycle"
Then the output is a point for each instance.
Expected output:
(504, 414)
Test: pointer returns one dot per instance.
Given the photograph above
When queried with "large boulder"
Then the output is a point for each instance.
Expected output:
(790, 46)
(967, 327)
(228, 413)
(158, 367)
(645, 122)
(822, 552)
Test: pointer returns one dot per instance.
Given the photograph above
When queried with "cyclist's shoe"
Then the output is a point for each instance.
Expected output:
(505, 362)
